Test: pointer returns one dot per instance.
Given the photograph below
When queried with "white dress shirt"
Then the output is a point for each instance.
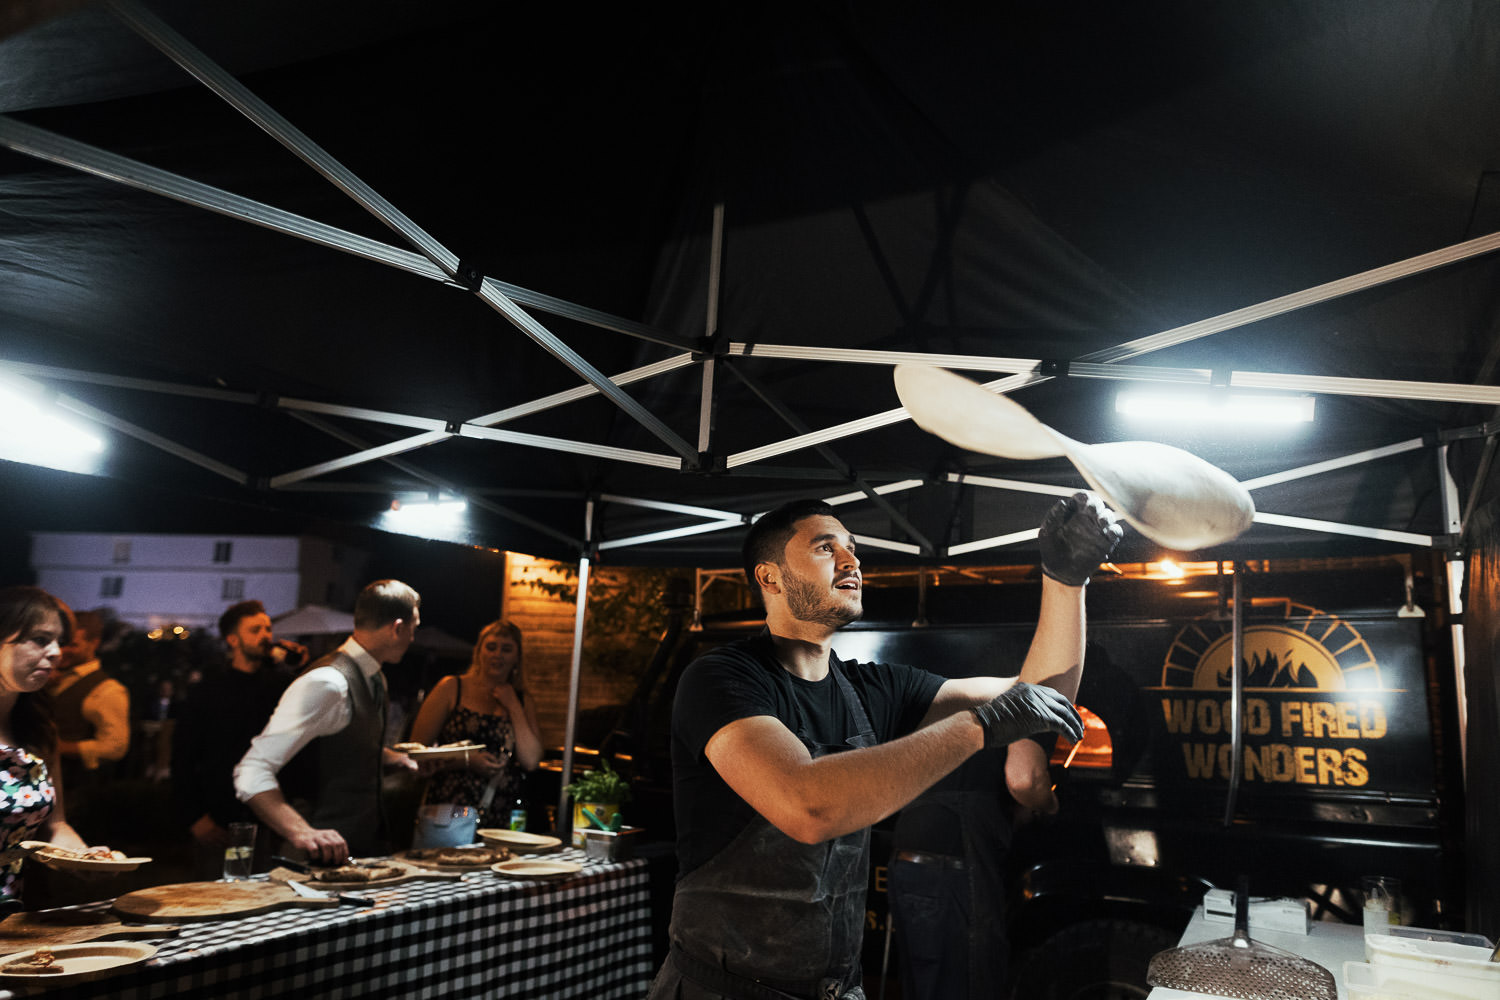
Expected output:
(315, 704)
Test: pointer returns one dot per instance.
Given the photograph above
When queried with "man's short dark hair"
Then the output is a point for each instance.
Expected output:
(229, 621)
(766, 540)
(383, 602)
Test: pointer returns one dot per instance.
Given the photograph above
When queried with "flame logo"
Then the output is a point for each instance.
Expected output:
(1268, 671)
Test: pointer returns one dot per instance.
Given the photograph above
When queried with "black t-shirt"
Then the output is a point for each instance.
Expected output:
(744, 679)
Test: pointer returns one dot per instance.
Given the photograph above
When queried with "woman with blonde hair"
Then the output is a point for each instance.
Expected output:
(486, 704)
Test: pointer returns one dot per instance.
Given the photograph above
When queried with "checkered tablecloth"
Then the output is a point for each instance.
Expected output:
(485, 935)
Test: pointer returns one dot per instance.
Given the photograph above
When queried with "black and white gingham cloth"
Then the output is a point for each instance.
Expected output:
(484, 935)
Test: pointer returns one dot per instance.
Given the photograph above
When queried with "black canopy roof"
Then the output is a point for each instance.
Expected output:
(1023, 180)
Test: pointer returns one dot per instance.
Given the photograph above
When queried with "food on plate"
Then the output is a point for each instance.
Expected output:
(374, 872)
(99, 853)
(459, 855)
(39, 963)
(460, 745)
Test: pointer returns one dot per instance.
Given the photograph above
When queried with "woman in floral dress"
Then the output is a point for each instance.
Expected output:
(33, 626)
(486, 704)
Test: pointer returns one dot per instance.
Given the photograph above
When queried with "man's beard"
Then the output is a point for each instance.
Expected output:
(260, 655)
(807, 604)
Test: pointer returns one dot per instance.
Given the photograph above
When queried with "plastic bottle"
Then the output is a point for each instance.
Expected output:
(518, 814)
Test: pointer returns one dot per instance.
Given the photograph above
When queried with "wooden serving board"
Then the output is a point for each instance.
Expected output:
(21, 931)
(189, 901)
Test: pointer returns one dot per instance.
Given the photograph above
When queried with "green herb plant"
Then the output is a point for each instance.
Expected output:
(603, 785)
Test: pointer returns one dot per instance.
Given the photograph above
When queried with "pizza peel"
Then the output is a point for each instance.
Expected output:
(45, 928)
(1240, 967)
(1171, 496)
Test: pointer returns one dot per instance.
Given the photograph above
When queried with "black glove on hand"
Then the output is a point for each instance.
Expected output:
(1077, 535)
(1026, 709)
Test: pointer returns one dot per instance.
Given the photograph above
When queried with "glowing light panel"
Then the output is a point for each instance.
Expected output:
(36, 433)
(1229, 408)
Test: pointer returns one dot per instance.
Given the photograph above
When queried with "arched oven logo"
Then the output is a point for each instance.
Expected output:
(1315, 709)
(1307, 650)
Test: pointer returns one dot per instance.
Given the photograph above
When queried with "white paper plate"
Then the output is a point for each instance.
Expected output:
(519, 840)
(48, 855)
(527, 868)
(79, 962)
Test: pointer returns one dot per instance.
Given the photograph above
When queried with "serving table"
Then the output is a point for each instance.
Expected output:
(482, 935)
(1328, 944)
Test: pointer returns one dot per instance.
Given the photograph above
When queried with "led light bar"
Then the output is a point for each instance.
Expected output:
(1234, 408)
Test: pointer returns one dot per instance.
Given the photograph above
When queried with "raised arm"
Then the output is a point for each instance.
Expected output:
(1054, 659)
(523, 723)
(1076, 536)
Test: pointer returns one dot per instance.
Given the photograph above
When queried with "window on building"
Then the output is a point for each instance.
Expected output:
(111, 586)
(122, 551)
(223, 551)
(234, 588)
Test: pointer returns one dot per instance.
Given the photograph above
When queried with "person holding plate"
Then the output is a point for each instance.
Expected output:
(34, 626)
(313, 775)
(486, 704)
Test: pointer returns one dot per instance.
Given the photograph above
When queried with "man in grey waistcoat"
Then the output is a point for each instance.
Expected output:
(313, 775)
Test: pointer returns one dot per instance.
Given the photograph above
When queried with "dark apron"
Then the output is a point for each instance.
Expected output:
(769, 918)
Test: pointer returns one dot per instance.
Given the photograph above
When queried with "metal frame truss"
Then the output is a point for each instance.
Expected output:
(434, 261)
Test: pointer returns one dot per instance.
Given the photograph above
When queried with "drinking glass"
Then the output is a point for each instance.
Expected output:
(1382, 902)
(239, 854)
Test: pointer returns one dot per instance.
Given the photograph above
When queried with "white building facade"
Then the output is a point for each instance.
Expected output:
(160, 580)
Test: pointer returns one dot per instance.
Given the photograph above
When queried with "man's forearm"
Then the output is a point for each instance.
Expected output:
(1055, 658)
(842, 792)
(277, 813)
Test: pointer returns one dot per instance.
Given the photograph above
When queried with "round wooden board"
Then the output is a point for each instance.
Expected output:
(189, 901)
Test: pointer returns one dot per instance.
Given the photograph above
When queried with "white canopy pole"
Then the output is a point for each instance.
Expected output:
(1454, 563)
(564, 824)
(706, 404)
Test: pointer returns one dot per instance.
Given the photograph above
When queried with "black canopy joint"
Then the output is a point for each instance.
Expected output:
(267, 399)
(1055, 367)
(469, 275)
(712, 345)
(708, 463)
(1484, 430)
(453, 426)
